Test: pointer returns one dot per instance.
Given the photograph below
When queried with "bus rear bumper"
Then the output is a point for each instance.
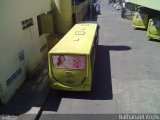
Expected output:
(81, 87)
(151, 36)
(139, 26)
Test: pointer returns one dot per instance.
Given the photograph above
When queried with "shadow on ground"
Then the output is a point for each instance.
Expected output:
(140, 29)
(154, 40)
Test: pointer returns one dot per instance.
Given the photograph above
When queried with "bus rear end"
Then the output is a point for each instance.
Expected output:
(153, 30)
(141, 18)
(69, 72)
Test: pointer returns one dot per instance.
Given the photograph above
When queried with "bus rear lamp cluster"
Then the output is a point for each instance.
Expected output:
(54, 78)
(83, 79)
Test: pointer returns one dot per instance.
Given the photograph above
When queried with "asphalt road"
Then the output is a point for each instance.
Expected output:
(126, 79)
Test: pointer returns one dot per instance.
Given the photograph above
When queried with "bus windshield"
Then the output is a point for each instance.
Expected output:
(70, 62)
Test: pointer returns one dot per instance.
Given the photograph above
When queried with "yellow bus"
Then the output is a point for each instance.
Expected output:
(71, 60)
(153, 31)
(141, 18)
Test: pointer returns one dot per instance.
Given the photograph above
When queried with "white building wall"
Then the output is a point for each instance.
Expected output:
(14, 41)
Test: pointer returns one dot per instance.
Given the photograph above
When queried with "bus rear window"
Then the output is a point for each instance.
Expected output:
(74, 62)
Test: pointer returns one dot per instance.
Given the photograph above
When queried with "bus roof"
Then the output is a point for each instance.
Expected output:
(77, 41)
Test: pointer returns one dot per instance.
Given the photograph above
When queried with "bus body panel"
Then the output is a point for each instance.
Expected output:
(77, 44)
(153, 31)
(140, 20)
